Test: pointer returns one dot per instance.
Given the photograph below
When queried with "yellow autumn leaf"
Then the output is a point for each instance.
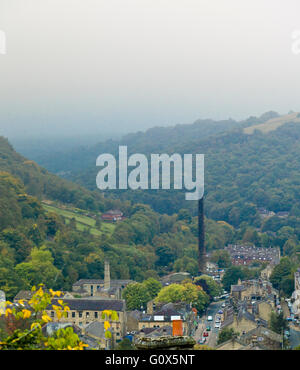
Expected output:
(26, 314)
(60, 301)
(35, 325)
(114, 316)
(59, 314)
(106, 325)
(107, 334)
(40, 292)
(46, 318)
(8, 311)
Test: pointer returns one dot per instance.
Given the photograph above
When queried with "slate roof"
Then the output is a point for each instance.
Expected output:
(159, 332)
(96, 329)
(93, 304)
(228, 321)
(51, 327)
(245, 314)
(167, 310)
(237, 288)
(101, 281)
(27, 294)
(23, 294)
(262, 331)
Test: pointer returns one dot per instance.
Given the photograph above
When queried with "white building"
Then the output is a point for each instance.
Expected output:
(296, 296)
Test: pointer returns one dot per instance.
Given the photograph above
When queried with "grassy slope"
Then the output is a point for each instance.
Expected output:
(82, 222)
(273, 124)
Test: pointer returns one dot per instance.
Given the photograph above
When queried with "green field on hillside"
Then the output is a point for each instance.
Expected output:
(82, 222)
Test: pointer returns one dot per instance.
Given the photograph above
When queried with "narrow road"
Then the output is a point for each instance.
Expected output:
(212, 338)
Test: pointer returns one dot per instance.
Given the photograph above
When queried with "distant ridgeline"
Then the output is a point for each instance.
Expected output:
(248, 165)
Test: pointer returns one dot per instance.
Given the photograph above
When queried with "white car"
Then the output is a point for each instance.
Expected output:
(209, 318)
(217, 325)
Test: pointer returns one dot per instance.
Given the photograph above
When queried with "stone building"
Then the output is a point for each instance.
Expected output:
(84, 311)
(165, 317)
(106, 288)
(243, 254)
(266, 272)
(253, 290)
(113, 215)
(262, 337)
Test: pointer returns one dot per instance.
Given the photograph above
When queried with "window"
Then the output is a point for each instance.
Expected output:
(73, 314)
(52, 313)
(96, 315)
(80, 314)
(87, 314)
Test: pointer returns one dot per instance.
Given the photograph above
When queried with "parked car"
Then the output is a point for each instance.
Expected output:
(217, 325)
(223, 305)
(209, 318)
(202, 341)
(208, 328)
(205, 334)
(220, 312)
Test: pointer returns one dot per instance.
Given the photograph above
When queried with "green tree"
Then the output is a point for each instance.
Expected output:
(227, 334)
(125, 345)
(209, 285)
(280, 275)
(171, 293)
(186, 264)
(153, 287)
(136, 295)
(221, 258)
(39, 268)
(231, 276)
(277, 322)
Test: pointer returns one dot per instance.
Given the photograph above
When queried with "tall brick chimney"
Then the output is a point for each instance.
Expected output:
(106, 275)
(201, 238)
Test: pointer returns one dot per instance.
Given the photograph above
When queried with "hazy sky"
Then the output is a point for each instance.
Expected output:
(106, 65)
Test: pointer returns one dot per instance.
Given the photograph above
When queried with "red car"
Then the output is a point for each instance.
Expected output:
(205, 334)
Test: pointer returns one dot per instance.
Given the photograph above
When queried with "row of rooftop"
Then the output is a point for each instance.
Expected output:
(247, 254)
